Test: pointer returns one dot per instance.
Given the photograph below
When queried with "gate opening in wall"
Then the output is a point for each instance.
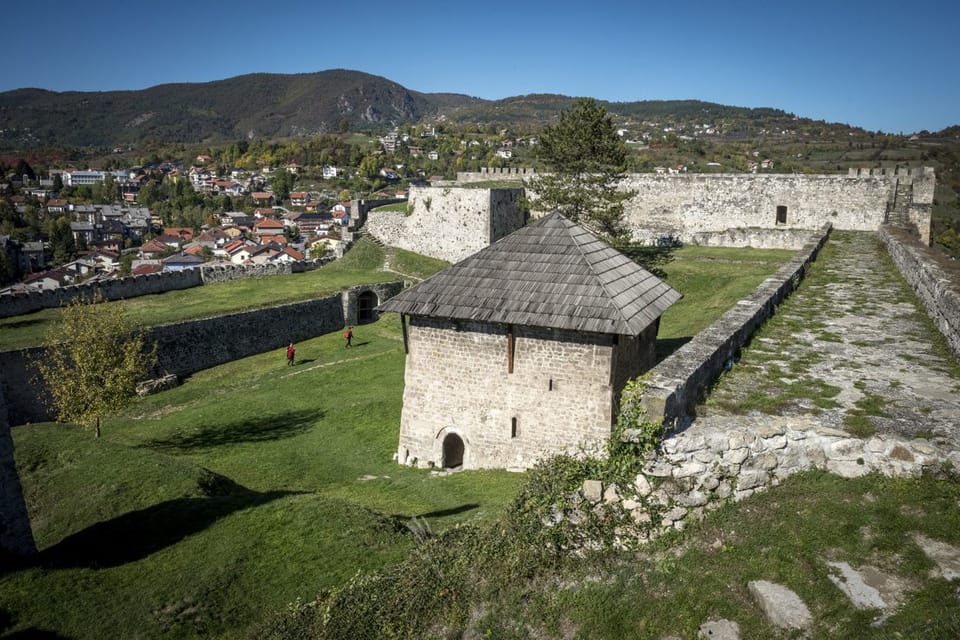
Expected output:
(452, 451)
(366, 307)
(781, 214)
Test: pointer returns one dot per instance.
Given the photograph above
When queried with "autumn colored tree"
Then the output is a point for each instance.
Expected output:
(93, 362)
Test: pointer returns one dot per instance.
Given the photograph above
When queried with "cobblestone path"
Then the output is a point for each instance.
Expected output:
(850, 349)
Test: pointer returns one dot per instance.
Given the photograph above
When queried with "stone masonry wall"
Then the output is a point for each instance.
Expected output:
(134, 286)
(456, 381)
(186, 347)
(697, 471)
(680, 380)
(927, 273)
(130, 287)
(741, 209)
(682, 206)
(450, 223)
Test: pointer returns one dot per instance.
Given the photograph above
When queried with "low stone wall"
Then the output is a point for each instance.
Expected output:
(186, 347)
(216, 273)
(130, 287)
(732, 458)
(134, 286)
(929, 274)
(677, 383)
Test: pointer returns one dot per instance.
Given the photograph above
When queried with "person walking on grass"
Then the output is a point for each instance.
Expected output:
(291, 352)
(348, 336)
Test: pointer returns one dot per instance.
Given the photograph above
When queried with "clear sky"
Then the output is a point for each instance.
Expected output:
(881, 65)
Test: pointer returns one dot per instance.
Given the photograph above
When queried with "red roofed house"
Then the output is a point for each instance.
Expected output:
(262, 198)
(299, 199)
(266, 228)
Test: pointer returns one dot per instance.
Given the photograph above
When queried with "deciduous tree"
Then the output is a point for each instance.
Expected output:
(586, 161)
(93, 362)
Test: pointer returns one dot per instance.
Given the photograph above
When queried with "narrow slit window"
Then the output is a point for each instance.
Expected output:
(513, 427)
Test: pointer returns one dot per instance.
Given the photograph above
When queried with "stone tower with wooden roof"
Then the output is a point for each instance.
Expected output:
(521, 350)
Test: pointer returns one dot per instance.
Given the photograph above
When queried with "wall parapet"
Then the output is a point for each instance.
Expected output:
(928, 274)
(680, 381)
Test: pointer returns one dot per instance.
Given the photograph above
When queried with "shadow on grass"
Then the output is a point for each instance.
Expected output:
(263, 428)
(667, 346)
(651, 258)
(449, 512)
(19, 324)
(138, 534)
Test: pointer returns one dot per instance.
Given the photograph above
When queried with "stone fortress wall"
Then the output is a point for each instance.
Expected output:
(186, 347)
(142, 285)
(755, 210)
(450, 223)
(694, 208)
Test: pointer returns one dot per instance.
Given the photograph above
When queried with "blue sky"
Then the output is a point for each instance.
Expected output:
(881, 65)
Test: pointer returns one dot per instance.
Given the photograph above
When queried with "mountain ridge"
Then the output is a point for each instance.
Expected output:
(276, 106)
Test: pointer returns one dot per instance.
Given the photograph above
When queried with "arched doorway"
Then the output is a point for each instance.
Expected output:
(366, 307)
(452, 451)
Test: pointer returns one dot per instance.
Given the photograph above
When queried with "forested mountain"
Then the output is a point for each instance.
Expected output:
(274, 106)
(251, 106)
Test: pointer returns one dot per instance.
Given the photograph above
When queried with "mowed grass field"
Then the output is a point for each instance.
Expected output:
(253, 484)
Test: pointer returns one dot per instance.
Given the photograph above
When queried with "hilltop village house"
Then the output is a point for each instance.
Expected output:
(521, 350)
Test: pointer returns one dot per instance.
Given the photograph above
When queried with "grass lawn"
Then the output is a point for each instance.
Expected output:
(206, 507)
(252, 484)
(785, 535)
(711, 279)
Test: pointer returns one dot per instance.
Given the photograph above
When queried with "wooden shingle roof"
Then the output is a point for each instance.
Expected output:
(552, 273)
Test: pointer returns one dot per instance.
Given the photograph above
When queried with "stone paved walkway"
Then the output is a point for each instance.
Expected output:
(849, 350)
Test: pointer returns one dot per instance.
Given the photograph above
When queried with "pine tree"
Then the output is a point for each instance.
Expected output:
(585, 160)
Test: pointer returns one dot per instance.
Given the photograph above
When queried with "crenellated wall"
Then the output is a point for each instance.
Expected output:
(142, 285)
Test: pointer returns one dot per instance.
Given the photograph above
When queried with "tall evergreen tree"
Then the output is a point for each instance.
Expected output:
(586, 161)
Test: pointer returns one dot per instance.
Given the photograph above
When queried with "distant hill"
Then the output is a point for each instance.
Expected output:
(276, 106)
(251, 106)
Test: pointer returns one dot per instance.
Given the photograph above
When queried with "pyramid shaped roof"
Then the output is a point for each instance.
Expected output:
(552, 273)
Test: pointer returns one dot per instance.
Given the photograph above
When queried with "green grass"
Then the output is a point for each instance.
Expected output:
(250, 485)
(208, 506)
(784, 535)
(712, 279)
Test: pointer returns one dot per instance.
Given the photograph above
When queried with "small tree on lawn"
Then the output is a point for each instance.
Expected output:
(93, 362)
(585, 160)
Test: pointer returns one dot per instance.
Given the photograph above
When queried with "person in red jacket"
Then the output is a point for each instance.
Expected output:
(291, 352)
